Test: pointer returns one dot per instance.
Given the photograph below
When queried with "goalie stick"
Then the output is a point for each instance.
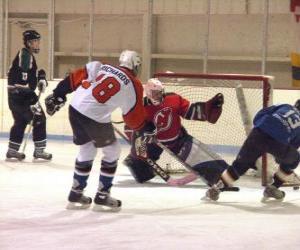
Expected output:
(157, 169)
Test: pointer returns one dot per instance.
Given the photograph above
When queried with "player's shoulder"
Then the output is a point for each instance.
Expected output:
(24, 52)
(172, 95)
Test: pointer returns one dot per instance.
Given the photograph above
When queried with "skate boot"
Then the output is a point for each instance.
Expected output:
(104, 202)
(41, 154)
(213, 193)
(14, 155)
(77, 200)
(273, 192)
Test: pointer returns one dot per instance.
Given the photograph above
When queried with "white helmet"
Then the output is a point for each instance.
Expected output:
(154, 90)
(130, 60)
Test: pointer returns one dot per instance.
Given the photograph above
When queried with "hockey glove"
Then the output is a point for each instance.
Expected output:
(54, 103)
(213, 108)
(36, 109)
(42, 82)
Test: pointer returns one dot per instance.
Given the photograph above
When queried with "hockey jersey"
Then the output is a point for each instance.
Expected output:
(99, 89)
(282, 122)
(167, 116)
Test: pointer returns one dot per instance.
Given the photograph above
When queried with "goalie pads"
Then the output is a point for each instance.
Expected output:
(140, 170)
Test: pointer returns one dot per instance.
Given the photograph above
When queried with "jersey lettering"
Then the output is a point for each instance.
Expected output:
(106, 89)
(292, 118)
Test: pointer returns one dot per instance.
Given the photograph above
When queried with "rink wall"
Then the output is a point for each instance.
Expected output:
(58, 126)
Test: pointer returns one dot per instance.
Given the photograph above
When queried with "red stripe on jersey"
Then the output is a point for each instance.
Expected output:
(135, 118)
(77, 76)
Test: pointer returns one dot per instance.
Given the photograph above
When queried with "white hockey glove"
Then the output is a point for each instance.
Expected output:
(42, 82)
(42, 85)
(36, 109)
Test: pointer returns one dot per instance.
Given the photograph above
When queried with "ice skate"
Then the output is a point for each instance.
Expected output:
(104, 202)
(271, 192)
(212, 193)
(78, 201)
(42, 155)
(13, 155)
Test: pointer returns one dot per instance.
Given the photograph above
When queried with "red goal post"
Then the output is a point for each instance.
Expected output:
(244, 96)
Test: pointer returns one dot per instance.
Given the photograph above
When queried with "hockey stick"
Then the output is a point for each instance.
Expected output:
(157, 169)
(30, 127)
(188, 167)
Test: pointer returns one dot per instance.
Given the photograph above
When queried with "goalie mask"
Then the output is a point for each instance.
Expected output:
(154, 90)
(130, 60)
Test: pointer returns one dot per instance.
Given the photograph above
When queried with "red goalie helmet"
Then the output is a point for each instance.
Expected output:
(154, 90)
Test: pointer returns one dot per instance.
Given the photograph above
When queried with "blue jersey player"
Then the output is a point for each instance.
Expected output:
(276, 131)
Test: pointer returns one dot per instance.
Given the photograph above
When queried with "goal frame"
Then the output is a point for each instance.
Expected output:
(267, 96)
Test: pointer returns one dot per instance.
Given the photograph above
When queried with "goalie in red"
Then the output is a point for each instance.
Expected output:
(166, 110)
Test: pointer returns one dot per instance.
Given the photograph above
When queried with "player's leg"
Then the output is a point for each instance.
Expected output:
(83, 167)
(288, 159)
(84, 160)
(109, 163)
(16, 135)
(39, 137)
(254, 146)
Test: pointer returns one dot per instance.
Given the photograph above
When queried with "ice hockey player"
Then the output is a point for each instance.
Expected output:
(24, 102)
(276, 131)
(166, 110)
(98, 90)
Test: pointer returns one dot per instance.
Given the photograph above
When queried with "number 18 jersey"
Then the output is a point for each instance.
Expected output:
(107, 88)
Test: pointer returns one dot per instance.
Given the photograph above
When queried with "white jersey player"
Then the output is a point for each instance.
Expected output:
(98, 90)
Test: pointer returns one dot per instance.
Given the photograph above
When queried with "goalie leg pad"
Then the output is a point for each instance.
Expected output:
(140, 170)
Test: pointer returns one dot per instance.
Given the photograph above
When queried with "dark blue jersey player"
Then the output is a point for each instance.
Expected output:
(276, 131)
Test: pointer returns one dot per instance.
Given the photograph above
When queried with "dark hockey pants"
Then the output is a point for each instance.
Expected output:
(258, 143)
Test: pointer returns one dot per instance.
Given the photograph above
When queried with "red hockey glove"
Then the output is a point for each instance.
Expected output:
(213, 108)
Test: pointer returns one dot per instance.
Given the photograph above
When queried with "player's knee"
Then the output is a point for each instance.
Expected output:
(291, 162)
(139, 169)
(111, 152)
(87, 152)
(211, 171)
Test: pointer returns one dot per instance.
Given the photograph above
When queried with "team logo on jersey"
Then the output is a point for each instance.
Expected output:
(163, 119)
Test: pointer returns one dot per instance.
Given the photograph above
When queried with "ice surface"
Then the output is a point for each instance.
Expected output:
(154, 215)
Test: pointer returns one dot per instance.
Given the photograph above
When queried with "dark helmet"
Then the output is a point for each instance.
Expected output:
(297, 104)
(30, 35)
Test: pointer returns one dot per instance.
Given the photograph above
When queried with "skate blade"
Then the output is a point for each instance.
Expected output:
(39, 160)
(207, 199)
(270, 200)
(14, 160)
(77, 206)
(101, 208)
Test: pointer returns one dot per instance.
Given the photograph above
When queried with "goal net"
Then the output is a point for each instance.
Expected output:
(244, 96)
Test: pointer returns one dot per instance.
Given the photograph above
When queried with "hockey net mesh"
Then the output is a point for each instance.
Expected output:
(244, 95)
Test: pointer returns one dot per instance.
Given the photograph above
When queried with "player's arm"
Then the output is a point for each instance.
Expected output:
(206, 111)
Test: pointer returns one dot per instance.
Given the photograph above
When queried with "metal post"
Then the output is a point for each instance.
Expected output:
(205, 53)
(147, 42)
(91, 31)
(265, 37)
(5, 54)
(51, 16)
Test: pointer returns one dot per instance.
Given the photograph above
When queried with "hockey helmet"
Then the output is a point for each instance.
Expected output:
(297, 104)
(30, 35)
(130, 60)
(154, 90)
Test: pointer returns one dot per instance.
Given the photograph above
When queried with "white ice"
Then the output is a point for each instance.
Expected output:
(153, 216)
